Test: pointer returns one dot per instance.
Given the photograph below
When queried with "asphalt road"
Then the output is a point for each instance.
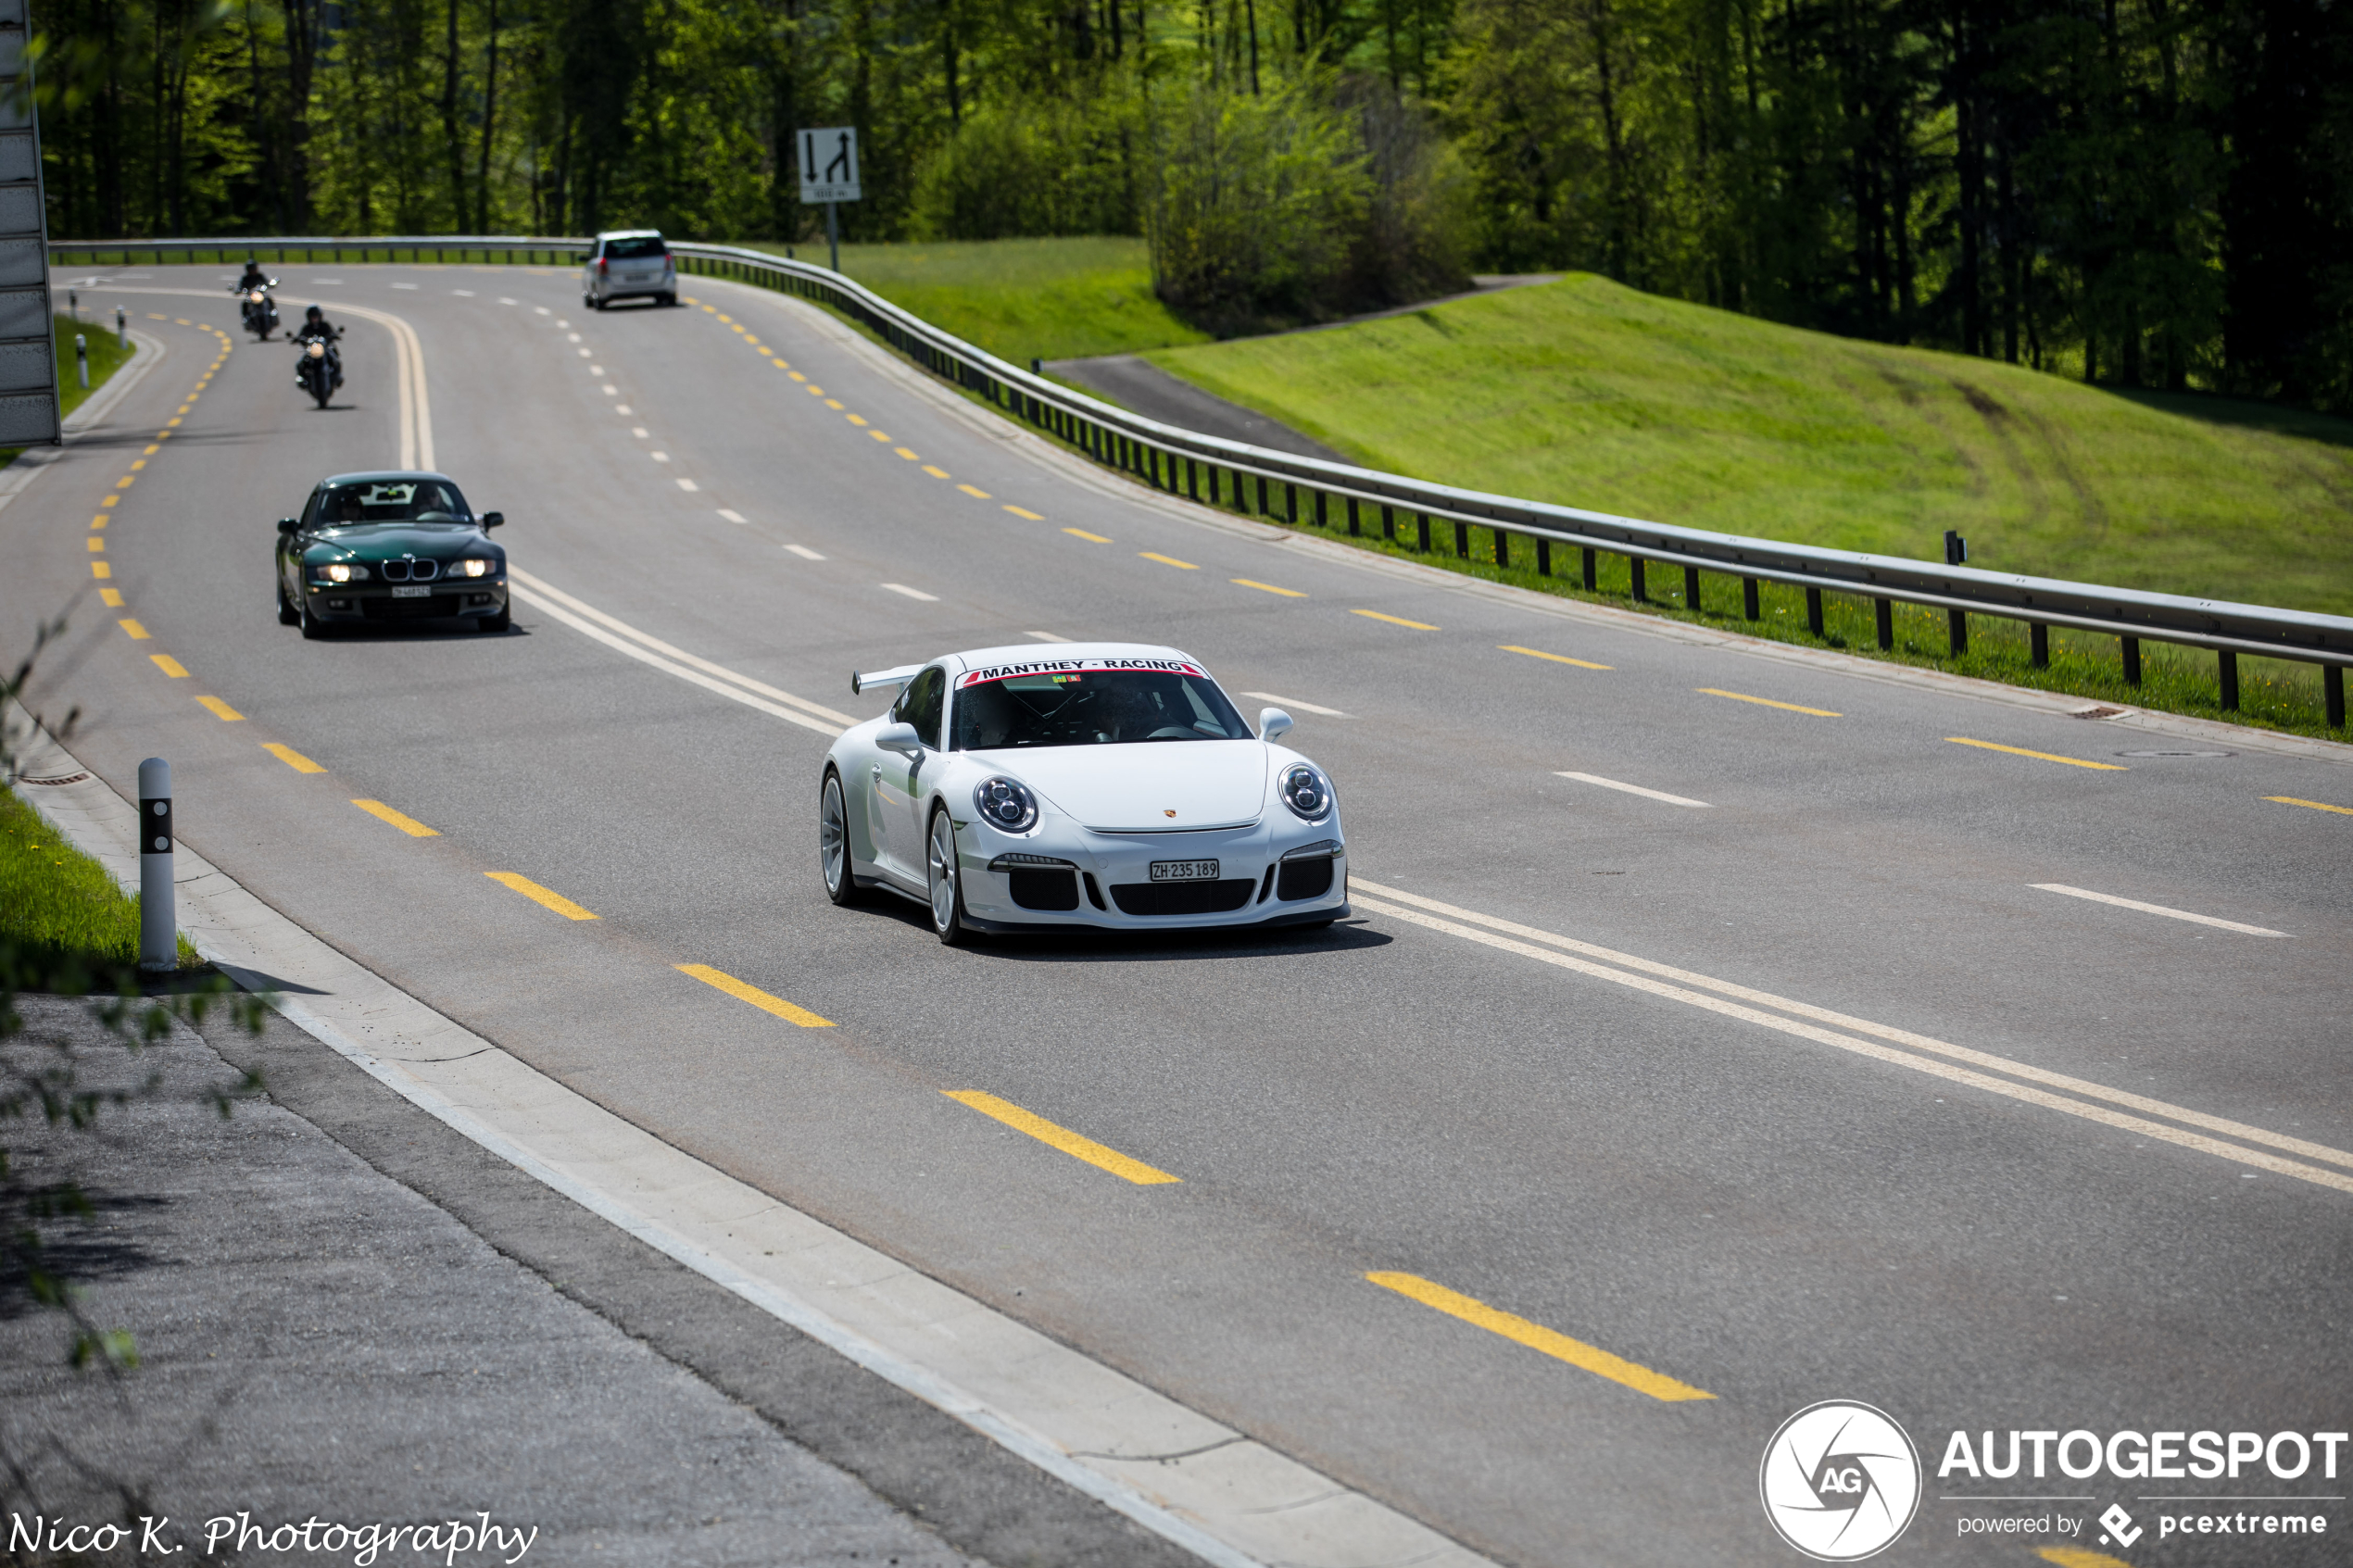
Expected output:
(1684, 1179)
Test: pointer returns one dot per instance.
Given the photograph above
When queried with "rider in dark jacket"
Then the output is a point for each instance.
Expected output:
(255, 278)
(314, 325)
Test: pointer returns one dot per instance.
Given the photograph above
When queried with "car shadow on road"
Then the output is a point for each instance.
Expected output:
(1085, 944)
(415, 632)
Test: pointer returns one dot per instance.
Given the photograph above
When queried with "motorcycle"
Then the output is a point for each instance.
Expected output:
(260, 310)
(319, 369)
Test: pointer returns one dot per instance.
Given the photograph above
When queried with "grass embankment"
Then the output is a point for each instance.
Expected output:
(104, 358)
(1023, 299)
(60, 911)
(1591, 394)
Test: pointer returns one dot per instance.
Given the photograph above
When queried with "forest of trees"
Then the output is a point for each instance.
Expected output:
(2156, 192)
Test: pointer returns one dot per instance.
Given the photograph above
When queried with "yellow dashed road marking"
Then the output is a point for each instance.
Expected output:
(1164, 561)
(292, 757)
(138, 633)
(1555, 657)
(169, 665)
(1394, 620)
(407, 825)
(1070, 1143)
(1033, 516)
(1268, 588)
(2038, 755)
(755, 996)
(975, 493)
(1768, 702)
(1536, 1337)
(539, 895)
(2315, 805)
(221, 710)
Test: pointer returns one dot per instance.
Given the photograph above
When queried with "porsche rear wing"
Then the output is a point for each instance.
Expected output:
(883, 680)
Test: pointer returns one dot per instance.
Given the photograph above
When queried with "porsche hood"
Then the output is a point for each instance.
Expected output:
(1151, 787)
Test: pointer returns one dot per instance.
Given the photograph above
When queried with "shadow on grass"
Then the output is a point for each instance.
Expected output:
(2245, 413)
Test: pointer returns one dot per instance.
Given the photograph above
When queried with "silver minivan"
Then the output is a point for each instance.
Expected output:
(629, 263)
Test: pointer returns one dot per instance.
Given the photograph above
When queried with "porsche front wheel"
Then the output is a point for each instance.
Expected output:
(833, 843)
(947, 886)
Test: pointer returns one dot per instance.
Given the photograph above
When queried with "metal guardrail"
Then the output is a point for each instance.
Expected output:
(1206, 468)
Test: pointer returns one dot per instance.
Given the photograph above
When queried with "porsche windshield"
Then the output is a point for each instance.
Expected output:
(404, 500)
(1093, 707)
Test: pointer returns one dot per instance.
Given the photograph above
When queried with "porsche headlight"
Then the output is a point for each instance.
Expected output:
(341, 572)
(1005, 803)
(473, 566)
(1305, 792)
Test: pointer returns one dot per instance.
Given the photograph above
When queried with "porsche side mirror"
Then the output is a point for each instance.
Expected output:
(492, 519)
(900, 738)
(289, 526)
(1273, 721)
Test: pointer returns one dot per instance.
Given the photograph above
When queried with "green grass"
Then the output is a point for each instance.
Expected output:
(1023, 299)
(1587, 393)
(104, 358)
(58, 907)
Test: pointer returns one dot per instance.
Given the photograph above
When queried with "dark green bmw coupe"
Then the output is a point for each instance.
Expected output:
(378, 547)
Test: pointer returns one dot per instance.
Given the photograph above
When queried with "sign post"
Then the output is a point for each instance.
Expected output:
(28, 349)
(829, 174)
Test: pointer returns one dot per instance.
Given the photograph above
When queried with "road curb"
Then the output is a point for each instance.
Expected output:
(146, 353)
(1192, 1481)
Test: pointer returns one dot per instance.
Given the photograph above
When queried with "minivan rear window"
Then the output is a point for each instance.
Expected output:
(633, 249)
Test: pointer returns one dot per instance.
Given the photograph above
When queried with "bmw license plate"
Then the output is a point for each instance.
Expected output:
(1184, 871)
(411, 591)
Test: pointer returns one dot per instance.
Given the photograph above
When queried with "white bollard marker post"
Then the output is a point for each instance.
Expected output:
(159, 925)
(82, 359)
(121, 330)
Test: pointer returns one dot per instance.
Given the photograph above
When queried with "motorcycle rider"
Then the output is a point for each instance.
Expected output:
(268, 310)
(314, 326)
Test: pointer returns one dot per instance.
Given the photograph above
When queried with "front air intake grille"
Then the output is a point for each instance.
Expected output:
(410, 570)
(1304, 879)
(1183, 898)
(1044, 889)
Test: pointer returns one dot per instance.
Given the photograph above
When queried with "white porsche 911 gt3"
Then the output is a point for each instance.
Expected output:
(1104, 784)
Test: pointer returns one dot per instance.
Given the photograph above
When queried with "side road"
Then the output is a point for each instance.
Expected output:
(320, 1340)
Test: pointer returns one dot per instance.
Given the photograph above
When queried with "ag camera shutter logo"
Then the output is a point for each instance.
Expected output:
(1841, 1481)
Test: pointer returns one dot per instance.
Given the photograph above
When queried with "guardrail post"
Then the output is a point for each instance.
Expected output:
(1748, 597)
(1263, 507)
(1421, 531)
(1593, 566)
(2132, 650)
(1192, 479)
(1691, 589)
(1884, 612)
(1503, 548)
(1291, 503)
(1543, 558)
(1389, 524)
(1462, 541)
(2038, 638)
(1634, 565)
(1355, 530)
(1323, 518)
(1212, 486)
(2333, 693)
(1956, 630)
(2230, 673)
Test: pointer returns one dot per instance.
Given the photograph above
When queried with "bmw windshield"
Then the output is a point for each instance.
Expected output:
(1088, 705)
(404, 500)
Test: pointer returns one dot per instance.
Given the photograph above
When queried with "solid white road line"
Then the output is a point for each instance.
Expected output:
(1637, 789)
(2154, 909)
(586, 618)
(1231, 1501)
(1464, 922)
(1294, 702)
(913, 593)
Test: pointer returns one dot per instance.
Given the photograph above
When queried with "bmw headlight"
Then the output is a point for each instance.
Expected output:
(473, 566)
(1005, 803)
(1305, 792)
(341, 572)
